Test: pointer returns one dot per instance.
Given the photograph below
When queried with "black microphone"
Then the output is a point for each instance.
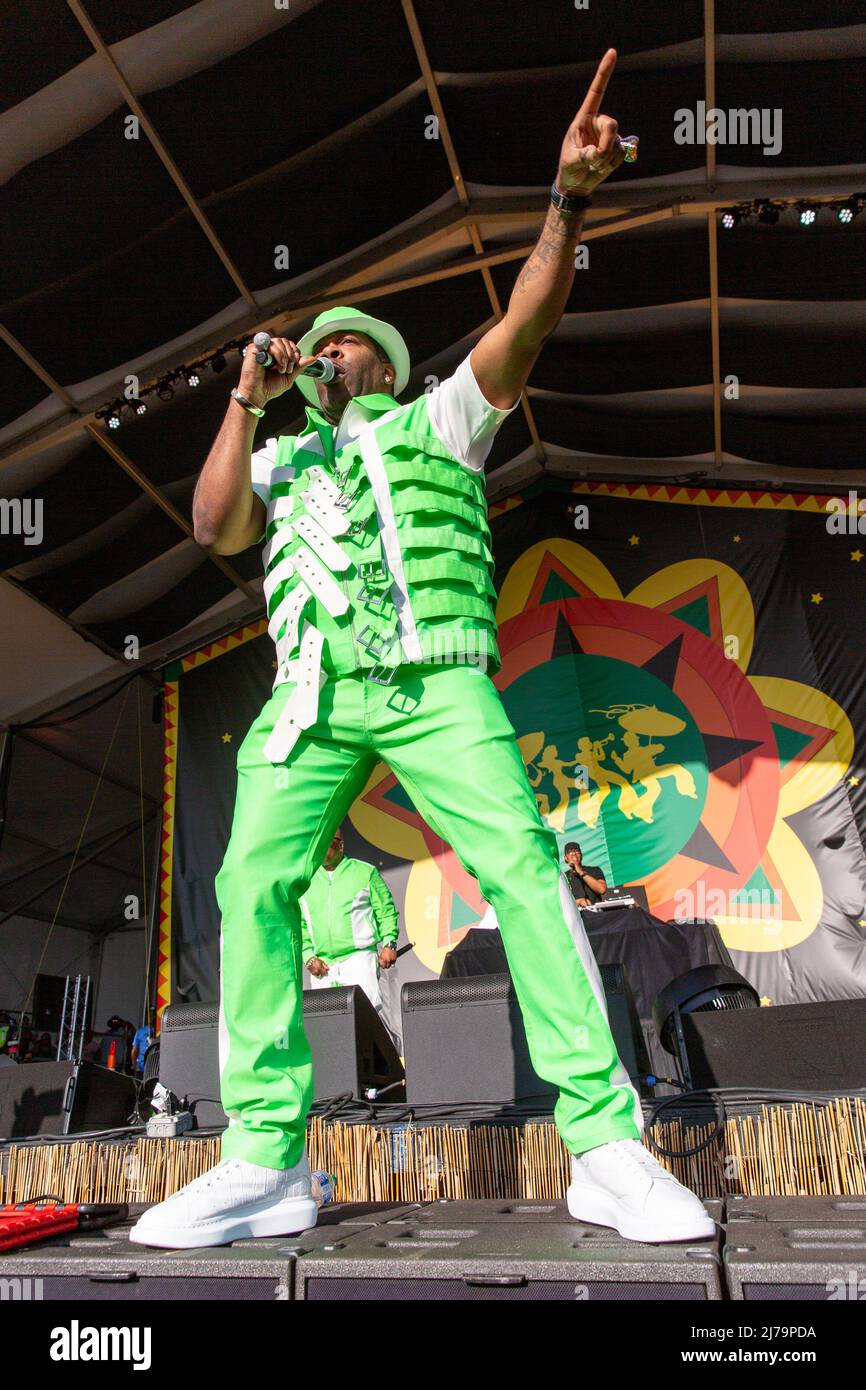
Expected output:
(322, 369)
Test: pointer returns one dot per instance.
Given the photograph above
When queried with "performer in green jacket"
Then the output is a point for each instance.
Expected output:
(349, 924)
(379, 591)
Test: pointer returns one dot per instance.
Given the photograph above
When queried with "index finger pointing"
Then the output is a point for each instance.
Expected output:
(598, 86)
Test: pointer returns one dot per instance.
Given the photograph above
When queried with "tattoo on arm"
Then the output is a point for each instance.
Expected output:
(557, 234)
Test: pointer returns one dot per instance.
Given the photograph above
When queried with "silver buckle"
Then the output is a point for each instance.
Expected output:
(382, 679)
(375, 648)
(371, 600)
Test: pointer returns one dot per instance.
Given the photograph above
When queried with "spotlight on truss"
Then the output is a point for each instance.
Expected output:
(730, 218)
(192, 378)
(218, 363)
(165, 391)
(114, 421)
(140, 408)
(851, 208)
(808, 213)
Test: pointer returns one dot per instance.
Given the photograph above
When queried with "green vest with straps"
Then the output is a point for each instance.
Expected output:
(383, 546)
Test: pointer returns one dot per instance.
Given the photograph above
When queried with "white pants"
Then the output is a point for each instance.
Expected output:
(358, 968)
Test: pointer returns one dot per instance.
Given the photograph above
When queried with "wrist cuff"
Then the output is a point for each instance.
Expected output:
(564, 202)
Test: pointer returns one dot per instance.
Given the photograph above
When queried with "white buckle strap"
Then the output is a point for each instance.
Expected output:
(321, 582)
(278, 507)
(330, 517)
(282, 571)
(322, 501)
(331, 554)
(279, 540)
(288, 612)
(302, 706)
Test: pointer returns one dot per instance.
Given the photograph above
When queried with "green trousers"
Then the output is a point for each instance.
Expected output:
(445, 735)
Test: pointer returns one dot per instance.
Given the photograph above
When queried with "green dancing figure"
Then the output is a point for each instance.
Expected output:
(380, 600)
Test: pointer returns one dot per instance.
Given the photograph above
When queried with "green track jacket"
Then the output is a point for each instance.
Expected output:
(347, 909)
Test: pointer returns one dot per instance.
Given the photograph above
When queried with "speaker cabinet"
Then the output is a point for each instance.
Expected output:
(62, 1098)
(792, 1047)
(352, 1050)
(465, 1041)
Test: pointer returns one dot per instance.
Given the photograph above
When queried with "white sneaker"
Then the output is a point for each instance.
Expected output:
(621, 1185)
(232, 1201)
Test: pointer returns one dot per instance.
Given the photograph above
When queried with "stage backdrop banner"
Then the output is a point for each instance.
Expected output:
(684, 672)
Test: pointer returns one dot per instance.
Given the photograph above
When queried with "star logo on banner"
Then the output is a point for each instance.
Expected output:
(227, 738)
(736, 540)
(634, 540)
(856, 556)
(853, 781)
(817, 598)
(766, 1002)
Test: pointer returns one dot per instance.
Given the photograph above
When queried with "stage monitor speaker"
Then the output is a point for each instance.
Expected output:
(465, 1041)
(464, 1259)
(62, 1098)
(791, 1047)
(795, 1249)
(352, 1050)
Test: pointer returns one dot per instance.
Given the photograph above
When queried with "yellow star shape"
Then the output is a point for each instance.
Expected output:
(817, 598)
(634, 540)
(766, 1002)
(862, 922)
(856, 556)
(736, 540)
(227, 738)
(853, 781)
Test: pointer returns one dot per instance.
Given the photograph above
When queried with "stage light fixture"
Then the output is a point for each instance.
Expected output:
(165, 391)
(140, 408)
(807, 215)
(707, 987)
(114, 421)
(730, 218)
(218, 363)
(768, 213)
(192, 378)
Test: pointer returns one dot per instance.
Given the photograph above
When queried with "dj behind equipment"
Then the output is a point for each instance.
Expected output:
(587, 883)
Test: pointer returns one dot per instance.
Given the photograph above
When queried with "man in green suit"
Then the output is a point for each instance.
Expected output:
(380, 599)
(349, 924)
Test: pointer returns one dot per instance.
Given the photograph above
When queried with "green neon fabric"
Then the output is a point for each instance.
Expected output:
(441, 531)
(347, 909)
(446, 736)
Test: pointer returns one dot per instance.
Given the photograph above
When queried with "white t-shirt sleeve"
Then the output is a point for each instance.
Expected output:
(463, 418)
(261, 464)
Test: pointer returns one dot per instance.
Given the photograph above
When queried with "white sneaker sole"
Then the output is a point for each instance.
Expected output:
(280, 1219)
(600, 1208)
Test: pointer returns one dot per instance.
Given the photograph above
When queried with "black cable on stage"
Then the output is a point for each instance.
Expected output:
(721, 1116)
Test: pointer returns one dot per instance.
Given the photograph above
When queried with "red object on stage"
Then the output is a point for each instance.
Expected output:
(112, 1056)
(24, 1223)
